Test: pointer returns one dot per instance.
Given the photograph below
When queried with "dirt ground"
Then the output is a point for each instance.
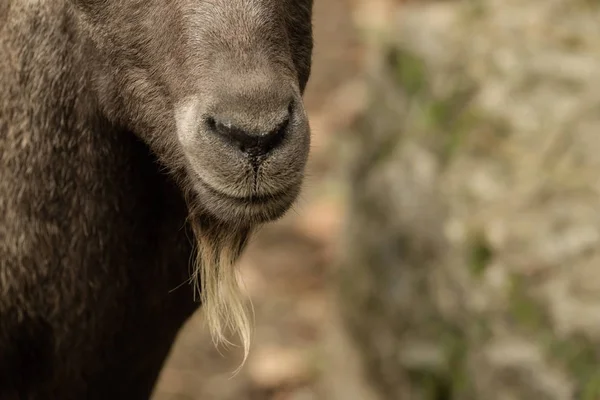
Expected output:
(297, 343)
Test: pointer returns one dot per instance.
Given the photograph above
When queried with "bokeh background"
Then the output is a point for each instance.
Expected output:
(447, 242)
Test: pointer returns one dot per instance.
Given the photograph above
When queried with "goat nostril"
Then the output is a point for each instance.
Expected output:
(211, 123)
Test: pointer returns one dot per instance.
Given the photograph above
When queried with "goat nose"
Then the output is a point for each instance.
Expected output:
(257, 142)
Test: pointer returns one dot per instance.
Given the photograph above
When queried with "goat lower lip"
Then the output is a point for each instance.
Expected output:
(247, 209)
(245, 200)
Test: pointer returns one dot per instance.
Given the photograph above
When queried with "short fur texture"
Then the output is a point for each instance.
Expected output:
(118, 169)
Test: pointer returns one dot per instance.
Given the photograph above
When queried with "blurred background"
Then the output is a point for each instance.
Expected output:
(447, 242)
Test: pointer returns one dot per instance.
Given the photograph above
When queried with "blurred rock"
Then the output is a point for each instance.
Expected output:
(471, 253)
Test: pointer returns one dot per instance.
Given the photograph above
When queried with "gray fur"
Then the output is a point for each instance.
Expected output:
(104, 192)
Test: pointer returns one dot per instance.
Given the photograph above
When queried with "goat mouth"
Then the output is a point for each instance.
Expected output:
(249, 200)
(251, 209)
